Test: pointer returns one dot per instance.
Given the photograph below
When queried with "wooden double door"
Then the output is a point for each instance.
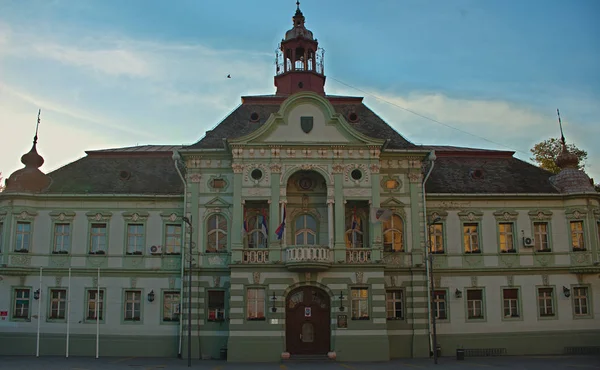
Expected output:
(307, 321)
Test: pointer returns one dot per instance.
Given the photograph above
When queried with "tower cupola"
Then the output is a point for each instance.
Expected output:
(299, 60)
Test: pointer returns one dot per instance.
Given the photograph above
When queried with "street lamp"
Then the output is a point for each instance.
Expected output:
(188, 221)
(432, 293)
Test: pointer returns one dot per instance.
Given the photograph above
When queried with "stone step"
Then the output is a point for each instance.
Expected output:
(308, 358)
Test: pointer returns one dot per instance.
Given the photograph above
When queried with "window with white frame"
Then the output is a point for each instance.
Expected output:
(135, 239)
(58, 303)
(360, 303)
(255, 303)
(257, 229)
(98, 238)
(132, 305)
(216, 233)
(580, 301)
(475, 304)
(436, 238)
(95, 304)
(506, 237)
(393, 232)
(23, 237)
(471, 237)
(440, 307)
(62, 238)
(577, 236)
(510, 302)
(306, 230)
(546, 302)
(173, 239)
(171, 306)
(540, 236)
(22, 303)
(216, 305)
(394, 301)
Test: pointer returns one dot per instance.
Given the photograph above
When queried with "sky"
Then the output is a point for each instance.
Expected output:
(112, 73)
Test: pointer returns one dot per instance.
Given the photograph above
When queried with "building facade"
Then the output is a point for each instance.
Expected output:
(306, 226)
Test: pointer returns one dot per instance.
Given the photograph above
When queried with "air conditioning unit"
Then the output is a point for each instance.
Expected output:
(528, 241)
(156, 249)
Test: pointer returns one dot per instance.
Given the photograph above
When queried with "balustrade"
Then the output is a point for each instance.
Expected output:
(255, 256)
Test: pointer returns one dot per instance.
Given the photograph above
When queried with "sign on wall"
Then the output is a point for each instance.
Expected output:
(307, 311)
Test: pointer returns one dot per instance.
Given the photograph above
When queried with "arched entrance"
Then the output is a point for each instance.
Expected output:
(307, 321)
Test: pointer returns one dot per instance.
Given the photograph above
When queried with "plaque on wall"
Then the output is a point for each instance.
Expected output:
(342, 321)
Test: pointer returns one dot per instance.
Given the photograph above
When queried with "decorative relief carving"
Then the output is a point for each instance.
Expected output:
(338, 151)
(510, 280)
(414, 162)
(193, 162)
(290, 152)
(470, 215)
(58, 260)
(351, 167)
(438, 213)
(545, 280)
(133, 282)
(307, 277)
(359, 277)
(275, 168)
(357, 192)
(543, 260)
(25, 215)
(398, 259)
(216, 281)
(575, 213)
(337, 168)
(62, 216)
(581, 258)
(453, 205)
(541, 215)
(374, 151)
(275, 151)
(307, 166)
(256, 192)
(506, 215)
(507, 260)
(58, 281)
(374, 168)
(248, 171)
(322, 152)
(171, 282)
(414, 177)
(195, 177)
(256, 277)
(237, 152)
(437, 280)
(473, 281)
(307, 152)
(136, 216)
(20, 260)
(99, 215)
(237, 168)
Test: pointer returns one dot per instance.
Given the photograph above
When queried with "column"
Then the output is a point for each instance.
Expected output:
(330, 222)
(236, 222)
(274, 215)
(339, 218)
(375, 228)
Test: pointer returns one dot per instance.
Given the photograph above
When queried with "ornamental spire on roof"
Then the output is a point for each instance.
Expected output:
(565, 159)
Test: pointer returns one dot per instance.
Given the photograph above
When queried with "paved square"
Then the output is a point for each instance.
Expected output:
(131, 363)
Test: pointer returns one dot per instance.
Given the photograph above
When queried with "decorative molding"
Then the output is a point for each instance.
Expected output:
(358, 192)
(307, 277)
(374, 168)
(99, 216)
(384, 181)
(256, 277)
(509, 260)
(171, 282)
(133, 282)
(62, 216)
(337, 168)
(171, 216)
(470, 215)
(437, 280)
(414, 162)
(216, 260)
(95, 282)
(540, 215)
(359, 277)
(579, 278)
(575, 213)
(510, 280)
(415, 177)
(275, 168)
(545, 280)
(474, 281)
(237, 168)
(2, 215)
(136, 216)
(216, 281)
(20, 260)
(453, 205)
(351, 167)
(506, 215)
(25, 215)
(58, 281)
(260, 166)
(193, 161)
(435, 213)
(195, 178)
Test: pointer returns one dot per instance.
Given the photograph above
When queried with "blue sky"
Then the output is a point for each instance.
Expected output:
(117, 73)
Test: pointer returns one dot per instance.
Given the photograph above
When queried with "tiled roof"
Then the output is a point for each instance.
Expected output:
(138, 149)
(238, 124)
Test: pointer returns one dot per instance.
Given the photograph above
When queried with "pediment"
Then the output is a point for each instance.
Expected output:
(392, 203)
(307, 118)
(217, 202)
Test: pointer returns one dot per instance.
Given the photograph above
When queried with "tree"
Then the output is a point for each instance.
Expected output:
(1, 183)
(545, 154)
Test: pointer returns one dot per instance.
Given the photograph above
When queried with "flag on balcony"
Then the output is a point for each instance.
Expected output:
(263, 224)
(380, 214)
(355, 220)
(281, 227)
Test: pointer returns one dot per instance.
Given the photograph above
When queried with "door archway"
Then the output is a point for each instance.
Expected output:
(308, 321)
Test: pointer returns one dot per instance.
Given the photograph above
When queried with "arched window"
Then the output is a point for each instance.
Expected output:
(216, 233)
(393, 234)
(306, 230)
(257, 237)
(354, 230)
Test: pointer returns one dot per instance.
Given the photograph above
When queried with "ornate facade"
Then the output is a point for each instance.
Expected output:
(308, 226)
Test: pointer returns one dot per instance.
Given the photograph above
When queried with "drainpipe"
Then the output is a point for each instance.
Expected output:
(431, 158)
(176, 158)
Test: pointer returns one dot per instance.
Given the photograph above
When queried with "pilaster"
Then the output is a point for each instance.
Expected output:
(375, 228)
(416, 211)
(339, 210)
(236, 221)
(274, 215)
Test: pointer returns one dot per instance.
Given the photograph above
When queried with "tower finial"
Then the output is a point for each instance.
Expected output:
(36, 127)
(298, 4)
(562, 136)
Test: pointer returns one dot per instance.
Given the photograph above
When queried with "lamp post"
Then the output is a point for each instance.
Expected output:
(432, 292)
(188, 221)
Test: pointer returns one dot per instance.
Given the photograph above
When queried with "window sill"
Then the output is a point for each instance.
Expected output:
(361, 318)
(60, 252)
(91, 320)
(256, 318)
(582, 317)
(224, 251)
(547, 317)
(394, 251)
(395, 318)
(133, 321)
(133, 254)
(170, 254)
(472, 252)
(21, 319)
(437, 252)
(215, 320)
(476, 318)
(99, 253)
(514, 317)
(170, 321)
(56, 319)
(579, 250)
(509, 251)
(21, 251)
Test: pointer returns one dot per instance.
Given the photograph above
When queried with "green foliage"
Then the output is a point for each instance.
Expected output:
(545, 154)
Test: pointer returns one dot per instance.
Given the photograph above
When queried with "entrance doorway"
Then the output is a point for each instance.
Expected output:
(307, 321)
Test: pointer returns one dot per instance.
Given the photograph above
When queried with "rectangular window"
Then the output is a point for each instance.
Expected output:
(256, 303)
(22, 299)
(580, 301)
(172, 239)
(510, 302)
(216, 305)
(394, 304)
(135, 239)
(171, 306)
(62, 238)
(95, 305)
(439, 305)
(540, 236)
(577, 237)
(133, 305)
(437, 238)
(505, 231)
(546, 301)
(23, 237)
(58, 303)
(360, 303)
(471, 238)
(475, 304)
(98, 239)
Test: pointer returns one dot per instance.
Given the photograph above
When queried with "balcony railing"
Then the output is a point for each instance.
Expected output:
(308, 257)
(358, 255)
(255, 256)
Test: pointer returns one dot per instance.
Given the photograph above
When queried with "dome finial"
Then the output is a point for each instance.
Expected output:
(565, 159)
(298, 4)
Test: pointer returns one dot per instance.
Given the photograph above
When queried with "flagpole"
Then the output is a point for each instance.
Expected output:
(37, 344)
(68, 313)
(98, 318)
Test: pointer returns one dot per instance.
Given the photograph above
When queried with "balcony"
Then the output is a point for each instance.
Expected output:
(255, 256)
(308, 258)
(358, 255)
